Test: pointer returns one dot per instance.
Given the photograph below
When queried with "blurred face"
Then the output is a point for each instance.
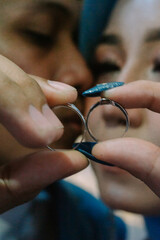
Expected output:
(129, 51)
(39, 37)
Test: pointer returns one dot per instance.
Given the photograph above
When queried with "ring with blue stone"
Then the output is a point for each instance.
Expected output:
(99, 88)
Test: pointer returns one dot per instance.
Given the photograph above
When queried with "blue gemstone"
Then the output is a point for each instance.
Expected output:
(96, 90)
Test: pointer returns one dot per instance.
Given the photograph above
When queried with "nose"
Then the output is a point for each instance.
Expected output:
(70, 67)
(129, 73)
(114, 117)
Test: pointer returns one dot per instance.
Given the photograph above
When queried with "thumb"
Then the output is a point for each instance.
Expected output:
(138, 157)
(22, 180)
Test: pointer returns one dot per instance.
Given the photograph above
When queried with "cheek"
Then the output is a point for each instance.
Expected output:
(109, 77)
(28, 58)
(89, 103)
(95, 120)
(31, 63)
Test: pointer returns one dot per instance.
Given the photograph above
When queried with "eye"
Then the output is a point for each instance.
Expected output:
(104, 68)
(38, 38)
(156, 67)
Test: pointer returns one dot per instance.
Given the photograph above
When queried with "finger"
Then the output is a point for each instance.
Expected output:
(138, 94)
(56, 93)
(29, 87)
(26, 123)
(23, 108)
(140, 158)
(22, 180)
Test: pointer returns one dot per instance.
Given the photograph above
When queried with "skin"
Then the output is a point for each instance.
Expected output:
(134, 55)
(34, 50)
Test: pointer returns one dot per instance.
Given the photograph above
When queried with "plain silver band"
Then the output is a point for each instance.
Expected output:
(77, 111)
(105, 101)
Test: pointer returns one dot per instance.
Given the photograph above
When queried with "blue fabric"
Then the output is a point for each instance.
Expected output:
(95, 16)
(81, 216)
(153, 227)
(62, 212)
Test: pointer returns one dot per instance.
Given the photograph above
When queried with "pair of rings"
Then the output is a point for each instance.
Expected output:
(86, 147)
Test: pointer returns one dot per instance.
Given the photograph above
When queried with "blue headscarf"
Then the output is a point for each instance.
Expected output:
(95, 15)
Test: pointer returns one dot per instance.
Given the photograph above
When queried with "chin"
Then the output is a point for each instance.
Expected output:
(142, 206)
(129, 194)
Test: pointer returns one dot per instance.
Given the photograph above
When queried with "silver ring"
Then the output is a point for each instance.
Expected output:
(77, 111)
(106, 101)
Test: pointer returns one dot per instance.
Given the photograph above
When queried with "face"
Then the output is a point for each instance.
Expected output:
(39, 36)
(129, 50)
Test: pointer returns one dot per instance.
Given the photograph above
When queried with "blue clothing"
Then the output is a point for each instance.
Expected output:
(95, 16)
(62, 212)
(153, 227)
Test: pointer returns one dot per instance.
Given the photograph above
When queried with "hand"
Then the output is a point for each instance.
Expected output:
(139, 157)
(23, 106)
(22, 180)
(25, 113)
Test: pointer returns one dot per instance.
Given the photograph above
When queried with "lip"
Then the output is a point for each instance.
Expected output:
(75, 126)
(71, 119)
(72, 123)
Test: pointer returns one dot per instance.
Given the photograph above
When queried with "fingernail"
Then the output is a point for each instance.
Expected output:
(99, 88)
(60, 85)
(51, 117)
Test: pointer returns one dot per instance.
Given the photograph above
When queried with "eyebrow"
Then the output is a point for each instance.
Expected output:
(110, 39)
(153, 35)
